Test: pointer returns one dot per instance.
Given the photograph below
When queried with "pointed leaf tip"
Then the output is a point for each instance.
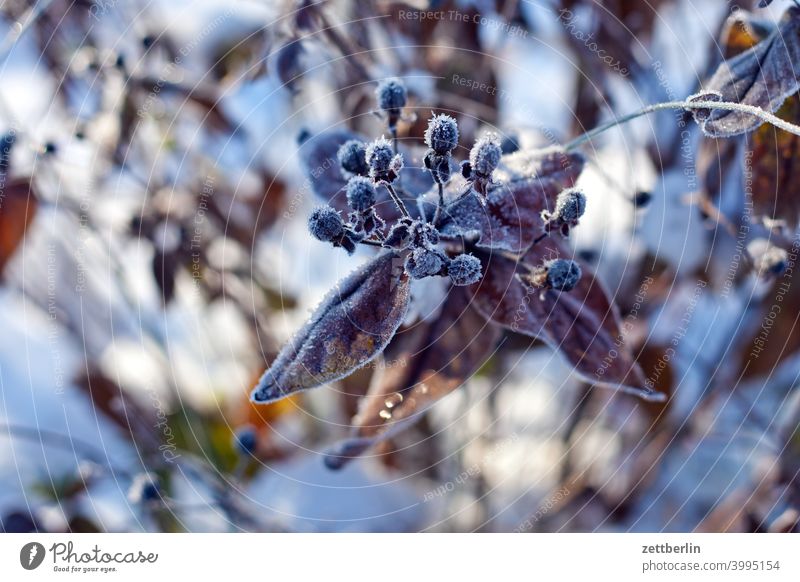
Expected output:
(349, 328)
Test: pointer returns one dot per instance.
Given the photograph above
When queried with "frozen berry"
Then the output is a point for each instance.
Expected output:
(361, 193)
(442, 134)
(352, 157)
(424, 263)
(562, 274)
(391, 94)
(464, 270)
(325, 224)
(485, 155)
(245, 440)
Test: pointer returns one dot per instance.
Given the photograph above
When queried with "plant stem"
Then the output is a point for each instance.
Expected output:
(437, 214)
(539, 239)
(724, 105)
(397, 200)
(396, 148)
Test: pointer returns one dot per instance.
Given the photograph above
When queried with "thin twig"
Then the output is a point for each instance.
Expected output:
(539, 239)
(397, 200)
(437, 214)
(372, 243)
(724, 105)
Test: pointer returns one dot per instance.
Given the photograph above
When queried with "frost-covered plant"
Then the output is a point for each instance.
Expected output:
(494, 233)
(486, 231)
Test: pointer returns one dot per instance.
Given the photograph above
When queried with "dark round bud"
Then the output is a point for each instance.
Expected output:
(145, 487)
(245, 440)
(325, 224)
(485, 155)
(361, 193)
(391, 94)
(562, 274)
(423, 263)
(353, 157)
(384, 165)
(510, 144)
(303, 136)
(442, 134)
(642, 199)
(570, 206)
(464, 270)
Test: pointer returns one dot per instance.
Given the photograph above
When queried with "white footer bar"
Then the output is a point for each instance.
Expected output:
(400, 557)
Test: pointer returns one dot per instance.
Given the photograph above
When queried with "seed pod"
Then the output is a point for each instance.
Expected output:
(558, 274)
(423, 263)
(485, 156)
(325, 224)
(352, 157)
(391, 95)
(245, 440)
(464, 270)
(384, 165)
(442, 134)
(361, 193)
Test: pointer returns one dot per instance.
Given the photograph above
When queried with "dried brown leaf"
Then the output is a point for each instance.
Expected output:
(525, 184)
(582, 325)
(762, 76)
(351, 327)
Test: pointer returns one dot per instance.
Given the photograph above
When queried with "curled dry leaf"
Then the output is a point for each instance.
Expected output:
(351, 326)
(582, 325)
(743, 30)
(423, 365)
(526, 184)
(762, 76)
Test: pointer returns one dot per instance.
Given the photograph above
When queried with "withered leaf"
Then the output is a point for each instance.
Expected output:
(525, 184)
(743, 30)
(762, 76)
(582, 325)
(349, 328)
(423, 365)
(776, 168)
(18, 205)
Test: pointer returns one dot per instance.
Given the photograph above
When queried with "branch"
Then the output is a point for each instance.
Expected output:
(686, 105)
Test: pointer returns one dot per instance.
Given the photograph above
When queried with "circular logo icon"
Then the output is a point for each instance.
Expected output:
(31, 555)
